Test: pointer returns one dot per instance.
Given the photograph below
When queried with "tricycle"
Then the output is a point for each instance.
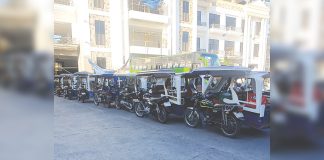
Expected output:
(215, 101)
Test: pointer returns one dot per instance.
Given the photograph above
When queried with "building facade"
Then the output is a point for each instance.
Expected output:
(237, 31)
(81, 33)
(109, 32)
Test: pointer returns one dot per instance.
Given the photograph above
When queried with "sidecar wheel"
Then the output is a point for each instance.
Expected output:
(162, 115)
(232, 128)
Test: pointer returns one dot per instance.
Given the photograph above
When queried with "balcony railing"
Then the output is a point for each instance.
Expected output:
(202, 24)
(185, 17)
(64, 40)
(201, 50)
(231, 53)
(215, 51)
(214, 26)
(225, 28)
(153, 44)
(232, 28)
(136, 5)
(64, 2)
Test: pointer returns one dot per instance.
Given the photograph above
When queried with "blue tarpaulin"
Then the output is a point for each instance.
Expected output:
(154, 4)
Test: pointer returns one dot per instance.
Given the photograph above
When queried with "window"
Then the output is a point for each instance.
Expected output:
(229, 47)
(198, 44)
(98, 4)
(214, 20)
(101, 62)
(185, 11)
(185, 7)
(213, 45)
(100, 32)
(257, 28)
(230, 23)
(256, 50)
(243, 25)
(185, 41)
(199, 17)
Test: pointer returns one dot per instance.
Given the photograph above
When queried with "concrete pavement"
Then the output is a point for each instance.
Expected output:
(86, 132)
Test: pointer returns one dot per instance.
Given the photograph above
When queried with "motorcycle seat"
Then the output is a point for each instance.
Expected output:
(158, 99)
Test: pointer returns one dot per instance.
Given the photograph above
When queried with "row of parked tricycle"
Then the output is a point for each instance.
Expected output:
(227, 97)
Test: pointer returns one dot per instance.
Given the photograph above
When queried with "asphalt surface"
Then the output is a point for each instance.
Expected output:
(90, 132)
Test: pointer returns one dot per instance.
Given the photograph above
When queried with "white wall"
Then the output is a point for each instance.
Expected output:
(119, 32)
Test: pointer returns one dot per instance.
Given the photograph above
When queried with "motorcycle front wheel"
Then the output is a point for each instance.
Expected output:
(95, 100)
(162, 115)
(131, 109)
(232, 128)
(139, 109)
(192, 118)
(117, 104)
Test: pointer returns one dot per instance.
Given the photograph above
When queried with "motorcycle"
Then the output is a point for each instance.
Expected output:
(149, 105)
(125, 100)
(99, 97)
(59, 91)
(83, 94)
(204, 111)
(68, 92)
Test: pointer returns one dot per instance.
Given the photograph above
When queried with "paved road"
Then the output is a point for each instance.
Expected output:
(89, 132)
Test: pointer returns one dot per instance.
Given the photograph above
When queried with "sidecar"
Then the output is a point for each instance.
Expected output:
(163, 83)
(254, 94)
(67, 80)
(84, 89)
(58, 85)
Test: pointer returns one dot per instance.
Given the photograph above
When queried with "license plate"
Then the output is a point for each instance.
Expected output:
(83, 93)
(135, 100)
(238, 114)
(167, 104)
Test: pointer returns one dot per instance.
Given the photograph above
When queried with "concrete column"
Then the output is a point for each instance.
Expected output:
(125, 31)
(263, 45)
(174, 18)
(194, 26)
(237, 47)
(82, 21)
(119, 32)
(207, 35)
(222, 20)
(246, 41)
(221, 45)
(169, 28)
(239, 22)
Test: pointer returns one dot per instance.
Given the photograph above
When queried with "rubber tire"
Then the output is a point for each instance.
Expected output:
(117, 104)
(164, 117)
(136, 107)
(237, 127)
(196, 122)
(94, 101)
